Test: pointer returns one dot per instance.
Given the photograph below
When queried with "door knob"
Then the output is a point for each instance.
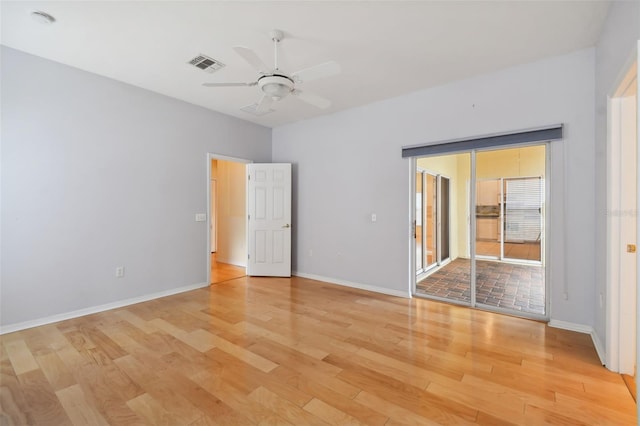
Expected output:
(286, 226)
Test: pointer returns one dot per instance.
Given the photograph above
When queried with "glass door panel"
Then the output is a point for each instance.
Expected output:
(509, 274)
(448, 266)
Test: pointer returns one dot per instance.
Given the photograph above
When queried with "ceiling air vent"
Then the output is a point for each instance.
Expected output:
(251, 109)
(206, 63)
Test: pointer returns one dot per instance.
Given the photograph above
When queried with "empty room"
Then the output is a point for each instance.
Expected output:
(312, 212)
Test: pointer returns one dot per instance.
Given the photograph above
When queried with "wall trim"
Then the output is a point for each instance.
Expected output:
(4, 329)
(367, 287)
(602, 354)
(582, 328)
(229, 262)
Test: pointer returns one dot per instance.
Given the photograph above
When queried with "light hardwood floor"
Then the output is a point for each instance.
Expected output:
(223, 271)
(296, 351)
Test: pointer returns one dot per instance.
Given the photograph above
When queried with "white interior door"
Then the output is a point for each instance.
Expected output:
(269, 220)
(628, 218)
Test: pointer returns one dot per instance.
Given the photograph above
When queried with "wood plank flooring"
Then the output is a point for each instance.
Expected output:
(295, 351)
(221, 272)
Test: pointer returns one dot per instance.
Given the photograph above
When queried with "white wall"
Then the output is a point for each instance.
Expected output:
(616, 47)
(97, 174)
(348, 165)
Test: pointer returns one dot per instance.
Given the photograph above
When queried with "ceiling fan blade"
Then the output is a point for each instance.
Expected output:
(326, 69)
(264, 104)
(229, 84)
(313, 99)
(252, 58)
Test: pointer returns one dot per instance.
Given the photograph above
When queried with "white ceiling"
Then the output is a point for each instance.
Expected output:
(385, 49)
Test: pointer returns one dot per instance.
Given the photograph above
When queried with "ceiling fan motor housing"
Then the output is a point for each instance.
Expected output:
(276, 86)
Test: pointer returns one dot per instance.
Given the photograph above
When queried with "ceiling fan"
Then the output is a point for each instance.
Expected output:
(275, 84)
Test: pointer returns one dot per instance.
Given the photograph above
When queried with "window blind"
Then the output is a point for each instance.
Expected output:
(523, 209)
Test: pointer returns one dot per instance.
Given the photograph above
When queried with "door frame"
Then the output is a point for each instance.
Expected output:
(615, 345)
(214, 156)
(213, 215)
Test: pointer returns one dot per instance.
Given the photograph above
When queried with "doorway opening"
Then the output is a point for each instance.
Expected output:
(622, 228)
(227, 234)
(491, 219)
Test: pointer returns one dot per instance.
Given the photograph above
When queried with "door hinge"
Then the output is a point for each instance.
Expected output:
(248, 217)
(248, 256)
(249, 177)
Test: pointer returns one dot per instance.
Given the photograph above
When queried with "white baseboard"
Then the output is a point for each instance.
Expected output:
(586, 329)
(351, 284)
(571, 326)
(602, 354)
(231, 262)
(95, 309)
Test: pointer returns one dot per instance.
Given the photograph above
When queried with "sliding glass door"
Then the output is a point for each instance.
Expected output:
(489, 229)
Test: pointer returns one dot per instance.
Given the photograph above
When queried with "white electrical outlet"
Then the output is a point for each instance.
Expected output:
(374, 217)
(201, 217)
(119, 271)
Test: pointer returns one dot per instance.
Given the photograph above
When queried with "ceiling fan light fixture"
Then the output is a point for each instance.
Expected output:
(276, 86)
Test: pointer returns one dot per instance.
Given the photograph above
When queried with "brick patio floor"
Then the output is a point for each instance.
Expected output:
(515, 287)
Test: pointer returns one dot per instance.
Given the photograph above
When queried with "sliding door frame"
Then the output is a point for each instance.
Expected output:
(471, 229)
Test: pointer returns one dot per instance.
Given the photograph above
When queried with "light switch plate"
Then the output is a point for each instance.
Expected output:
(201, 217)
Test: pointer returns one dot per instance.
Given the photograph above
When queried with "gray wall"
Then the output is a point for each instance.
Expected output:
(348, 166)
(616, 47)
(97, 174)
